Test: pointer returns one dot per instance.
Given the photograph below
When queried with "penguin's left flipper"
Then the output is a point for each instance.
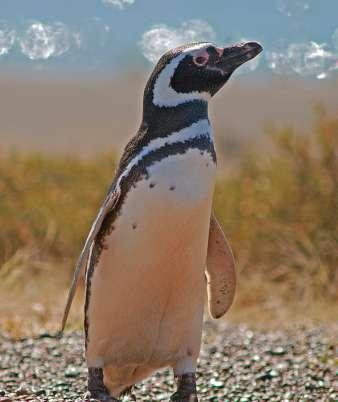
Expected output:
(220, 271)
(108, 204)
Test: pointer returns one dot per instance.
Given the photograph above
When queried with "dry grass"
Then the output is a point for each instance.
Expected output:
(279, 212)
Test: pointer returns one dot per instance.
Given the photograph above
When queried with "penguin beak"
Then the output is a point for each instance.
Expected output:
(234, 56)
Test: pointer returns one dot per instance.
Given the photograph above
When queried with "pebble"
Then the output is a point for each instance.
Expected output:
(236, 364)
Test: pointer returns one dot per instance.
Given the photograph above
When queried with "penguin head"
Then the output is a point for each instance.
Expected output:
(196, 71)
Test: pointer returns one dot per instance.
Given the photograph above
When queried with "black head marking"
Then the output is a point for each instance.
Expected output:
(204, 67)
(216, 66)
(190, 77)
(163, 62)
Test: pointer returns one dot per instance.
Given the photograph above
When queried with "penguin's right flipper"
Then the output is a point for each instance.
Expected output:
(107, 206)
(220, 271)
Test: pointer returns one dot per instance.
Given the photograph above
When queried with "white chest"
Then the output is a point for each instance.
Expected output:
(182, 163)
(183, 179)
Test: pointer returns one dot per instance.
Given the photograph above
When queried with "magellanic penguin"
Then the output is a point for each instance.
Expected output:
(155, 239)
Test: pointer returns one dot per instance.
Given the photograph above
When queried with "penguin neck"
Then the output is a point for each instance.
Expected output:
(173, 118)
(159, 123)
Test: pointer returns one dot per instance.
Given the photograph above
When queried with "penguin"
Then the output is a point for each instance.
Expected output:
(156, 249)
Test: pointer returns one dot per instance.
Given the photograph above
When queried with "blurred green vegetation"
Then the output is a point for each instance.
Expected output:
(279, 211)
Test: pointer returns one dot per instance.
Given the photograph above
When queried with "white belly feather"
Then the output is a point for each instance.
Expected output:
(147, 290)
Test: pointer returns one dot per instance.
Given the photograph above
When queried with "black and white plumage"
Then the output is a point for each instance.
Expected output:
(147, 251)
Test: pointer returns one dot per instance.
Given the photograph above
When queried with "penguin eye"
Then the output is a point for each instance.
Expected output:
(200, 60)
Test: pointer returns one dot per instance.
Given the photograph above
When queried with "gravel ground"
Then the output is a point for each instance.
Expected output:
(236, 364)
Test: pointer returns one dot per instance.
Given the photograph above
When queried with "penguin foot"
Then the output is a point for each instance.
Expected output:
(96, 388)
(186, 388)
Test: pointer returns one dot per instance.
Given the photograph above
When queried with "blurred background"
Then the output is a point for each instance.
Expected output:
(71, 82)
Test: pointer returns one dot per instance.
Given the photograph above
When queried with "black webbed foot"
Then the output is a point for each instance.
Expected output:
(186, 388)
(96, 388)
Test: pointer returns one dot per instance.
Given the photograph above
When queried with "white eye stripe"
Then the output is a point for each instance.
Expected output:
(164, 94)
(197, 47)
